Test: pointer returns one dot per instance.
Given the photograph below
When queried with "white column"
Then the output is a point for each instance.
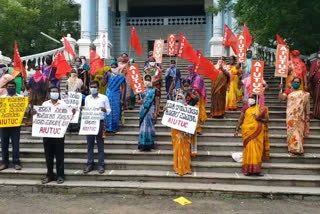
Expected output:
(217, 49)
(123, 8)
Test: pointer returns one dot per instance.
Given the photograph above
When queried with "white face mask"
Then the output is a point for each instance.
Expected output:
(180, 101)
(152, 64)
(147, 84)
(115, 71)
(74, 75)
(251, 101)
(54, 95)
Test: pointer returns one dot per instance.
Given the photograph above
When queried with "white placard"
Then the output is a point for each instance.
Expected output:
(181, 117)
(51, 122)
(90, 121)
(73, 100)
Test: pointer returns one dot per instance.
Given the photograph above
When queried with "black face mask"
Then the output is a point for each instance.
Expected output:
(11, 91)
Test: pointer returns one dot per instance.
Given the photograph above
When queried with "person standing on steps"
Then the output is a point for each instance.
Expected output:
(219, 90)
(314, 85)
(147, 116)
(50, 73)
(231, 98)
(198, 84)
(256, 145)
(298, 116)
(173, 79)
(96, 100)
(74, 84)
(54, 147)
(12, 133)
(297, 68)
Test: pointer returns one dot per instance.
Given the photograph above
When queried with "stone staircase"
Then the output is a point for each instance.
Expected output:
(214, 171)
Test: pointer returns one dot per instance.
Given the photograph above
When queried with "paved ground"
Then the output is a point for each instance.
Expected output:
(13, 203)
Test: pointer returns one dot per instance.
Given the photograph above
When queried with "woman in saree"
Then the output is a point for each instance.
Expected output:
(38, 86)
(231, 97)
(147, 116)
(255, 135)
(298, 116)
(314, 85)
(219, 90)
(100, 76)
(116, 93)
(297, 68)
(198, 84)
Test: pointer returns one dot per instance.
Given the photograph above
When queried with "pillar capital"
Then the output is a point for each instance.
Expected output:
(123, 5)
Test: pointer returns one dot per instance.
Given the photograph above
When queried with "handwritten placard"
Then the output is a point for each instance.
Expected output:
(12, 111)
(73, 100)
(90, 121)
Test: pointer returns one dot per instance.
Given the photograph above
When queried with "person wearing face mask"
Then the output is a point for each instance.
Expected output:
(254, 128)
(96, 100)
(147, 116)
(297, 68)
(83, 75)
(74, 84)
(173, 79)
(314, 85)
(12, 133)
(122, 65)
(219, 90)
(146, 63)
(298, 116)
(4, 79)
(18, 80)
(116, 93)
(155, 72)
(50, 72)
(247, 65)
(100, 77)
(231, 97)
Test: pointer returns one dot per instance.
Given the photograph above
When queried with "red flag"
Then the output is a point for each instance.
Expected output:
(18, 65)
(185, 50)
(229, 39)
(68, 48)
(55, 61)
(135, 41)
(63, 66)
(280, 40)
(95, 62)
(247, 35)
(205, 67)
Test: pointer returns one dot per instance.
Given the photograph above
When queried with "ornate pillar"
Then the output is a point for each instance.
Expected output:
(217, 49)
(209, 26)
(123, 8)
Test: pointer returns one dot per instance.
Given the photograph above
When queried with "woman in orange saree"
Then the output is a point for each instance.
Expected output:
(255, 137)
(297, 68)
(232, 92)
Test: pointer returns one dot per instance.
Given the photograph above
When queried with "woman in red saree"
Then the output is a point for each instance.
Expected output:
(314, 86)
(297, 68)
(255, 134)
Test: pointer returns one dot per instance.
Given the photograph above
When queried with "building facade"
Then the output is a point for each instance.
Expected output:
(153, 20)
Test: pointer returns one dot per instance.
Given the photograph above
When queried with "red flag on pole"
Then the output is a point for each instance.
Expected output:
(95, 62)
(134, 42)
(280, 40)
(68, 48)
(18, 65)
(205, 67)
(247, 36)
(229, 39)
(185, 50)
(55, 60)
(63, 66)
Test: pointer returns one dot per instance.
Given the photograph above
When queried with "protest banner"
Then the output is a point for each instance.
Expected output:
(135, 79)
(73, 100)
(181, 117)
(51, 122)
(241, 49)
(103, 45)
(12, 111)
(282, 61)
(257, 77)
(158, 50)
(90, 121)
(171, 44)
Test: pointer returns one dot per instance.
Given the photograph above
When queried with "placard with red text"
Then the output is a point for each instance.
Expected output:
(135, 79)
(257, 77)
(282, 61)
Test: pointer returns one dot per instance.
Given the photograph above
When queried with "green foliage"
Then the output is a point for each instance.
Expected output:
(297, 21)
(23, 20)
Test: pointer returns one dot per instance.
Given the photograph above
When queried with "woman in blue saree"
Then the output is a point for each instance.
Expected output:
(147, 115)
(116, 92)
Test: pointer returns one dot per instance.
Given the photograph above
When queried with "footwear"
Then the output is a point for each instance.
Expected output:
(101, 170)
(46, 180)
(3, 167)
(87, 170)
(60, 180)
(17, 167)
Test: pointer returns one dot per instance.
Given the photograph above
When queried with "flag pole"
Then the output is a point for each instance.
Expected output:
(257, 105)
(281, 83)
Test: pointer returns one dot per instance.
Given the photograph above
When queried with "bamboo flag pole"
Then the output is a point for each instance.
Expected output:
(281, 83)
(257, 105)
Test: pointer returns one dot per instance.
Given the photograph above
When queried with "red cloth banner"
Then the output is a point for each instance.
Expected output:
(63, 66)
(205, 68)
(257, 77)
(95, 62)
(158, 50)
(280, 40)
(247, 36)
(241, 49)
(17, 64)
(229, 39)
(185, 50)
(171, 49)
(134, 42)
(282, 61)
(135, 79)
(68, 48)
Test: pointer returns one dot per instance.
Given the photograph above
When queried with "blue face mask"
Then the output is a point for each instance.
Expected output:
(93, 90)
(296, 85)
(249, 56)
(172, 66)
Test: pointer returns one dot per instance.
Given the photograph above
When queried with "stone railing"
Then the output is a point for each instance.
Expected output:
(268, 55)
(4, 59)
(175, 20)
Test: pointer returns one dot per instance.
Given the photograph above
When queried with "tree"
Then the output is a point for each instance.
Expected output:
(23, 20)
(295, 20)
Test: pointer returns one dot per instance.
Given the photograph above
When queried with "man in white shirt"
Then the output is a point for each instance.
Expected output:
(96, 100)
(12, 133)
